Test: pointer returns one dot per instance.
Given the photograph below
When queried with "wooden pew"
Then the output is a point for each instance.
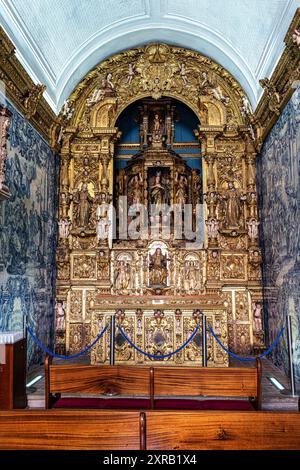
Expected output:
(150, 382)
(95, 380)
(71, 429)
(214, 430)
(148, 430)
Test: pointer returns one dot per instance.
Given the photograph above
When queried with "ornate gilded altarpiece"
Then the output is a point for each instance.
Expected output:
(157, 286)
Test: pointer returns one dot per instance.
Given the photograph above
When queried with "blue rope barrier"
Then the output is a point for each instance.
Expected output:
(60, 356)
(153, 356)
(247, 359)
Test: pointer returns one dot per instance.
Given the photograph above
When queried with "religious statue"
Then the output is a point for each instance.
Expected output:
(257, 317)
(233, 208)
(180, 194)
(157, 129)
(83, 204)
(102, 228)
(191, 276)
(60, 316)
(103, 222)
(158, 271)
(157, 190)
(135, 189)
(252, 205)
(63, 228)
(253, 229)
(122, 277)
(211, 198)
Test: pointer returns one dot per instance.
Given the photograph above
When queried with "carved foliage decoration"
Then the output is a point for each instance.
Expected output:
(155, 70)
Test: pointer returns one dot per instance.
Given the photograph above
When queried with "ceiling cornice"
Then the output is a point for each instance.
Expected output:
(22, 91)
(281, 86)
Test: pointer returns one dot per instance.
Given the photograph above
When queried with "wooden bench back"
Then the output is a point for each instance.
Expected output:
(96, 380)
(214, 381)
(152, 430)
(216, 430)
(71, 430)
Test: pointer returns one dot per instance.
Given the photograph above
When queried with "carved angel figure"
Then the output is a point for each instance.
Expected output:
(63, 228)
(60, 316)
(106, 88)
(257, 316)
(182, 73)
(212, 228)
(253, 229)
(296, 37)
(131, 73)
(209, 87)
(246, 106)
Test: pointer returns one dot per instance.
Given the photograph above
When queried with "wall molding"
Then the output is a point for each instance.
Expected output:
(282, 84)
(21, 90)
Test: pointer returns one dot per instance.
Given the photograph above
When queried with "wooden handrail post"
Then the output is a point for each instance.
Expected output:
(151, 388)
(143, 435)
(259, 379)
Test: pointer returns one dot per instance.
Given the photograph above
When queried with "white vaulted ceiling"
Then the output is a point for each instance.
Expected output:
(59, 41)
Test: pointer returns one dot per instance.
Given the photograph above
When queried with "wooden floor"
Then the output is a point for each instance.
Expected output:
(272, 399)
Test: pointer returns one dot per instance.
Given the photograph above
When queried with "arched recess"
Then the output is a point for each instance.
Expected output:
(230, 259)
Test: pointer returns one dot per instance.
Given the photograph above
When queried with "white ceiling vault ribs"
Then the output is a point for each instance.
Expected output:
(59, 41)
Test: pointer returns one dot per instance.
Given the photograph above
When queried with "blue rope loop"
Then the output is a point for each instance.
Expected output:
(153, 356)
(247, 359)
(60, 356)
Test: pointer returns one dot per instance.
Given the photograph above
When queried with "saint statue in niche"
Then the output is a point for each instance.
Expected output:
(122, 277)
(181, 185)
(233, 205)
(157, 129)
(135, 189)
(158, 272)
(83, 202)
(157, 190)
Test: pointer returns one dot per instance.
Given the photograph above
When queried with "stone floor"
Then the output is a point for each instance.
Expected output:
(272, 398)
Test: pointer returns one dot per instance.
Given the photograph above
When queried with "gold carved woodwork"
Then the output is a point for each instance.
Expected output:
(113, 276)
(233, 266)
(5, 116)
(83, 266)
(23, 92)
(159, 332)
